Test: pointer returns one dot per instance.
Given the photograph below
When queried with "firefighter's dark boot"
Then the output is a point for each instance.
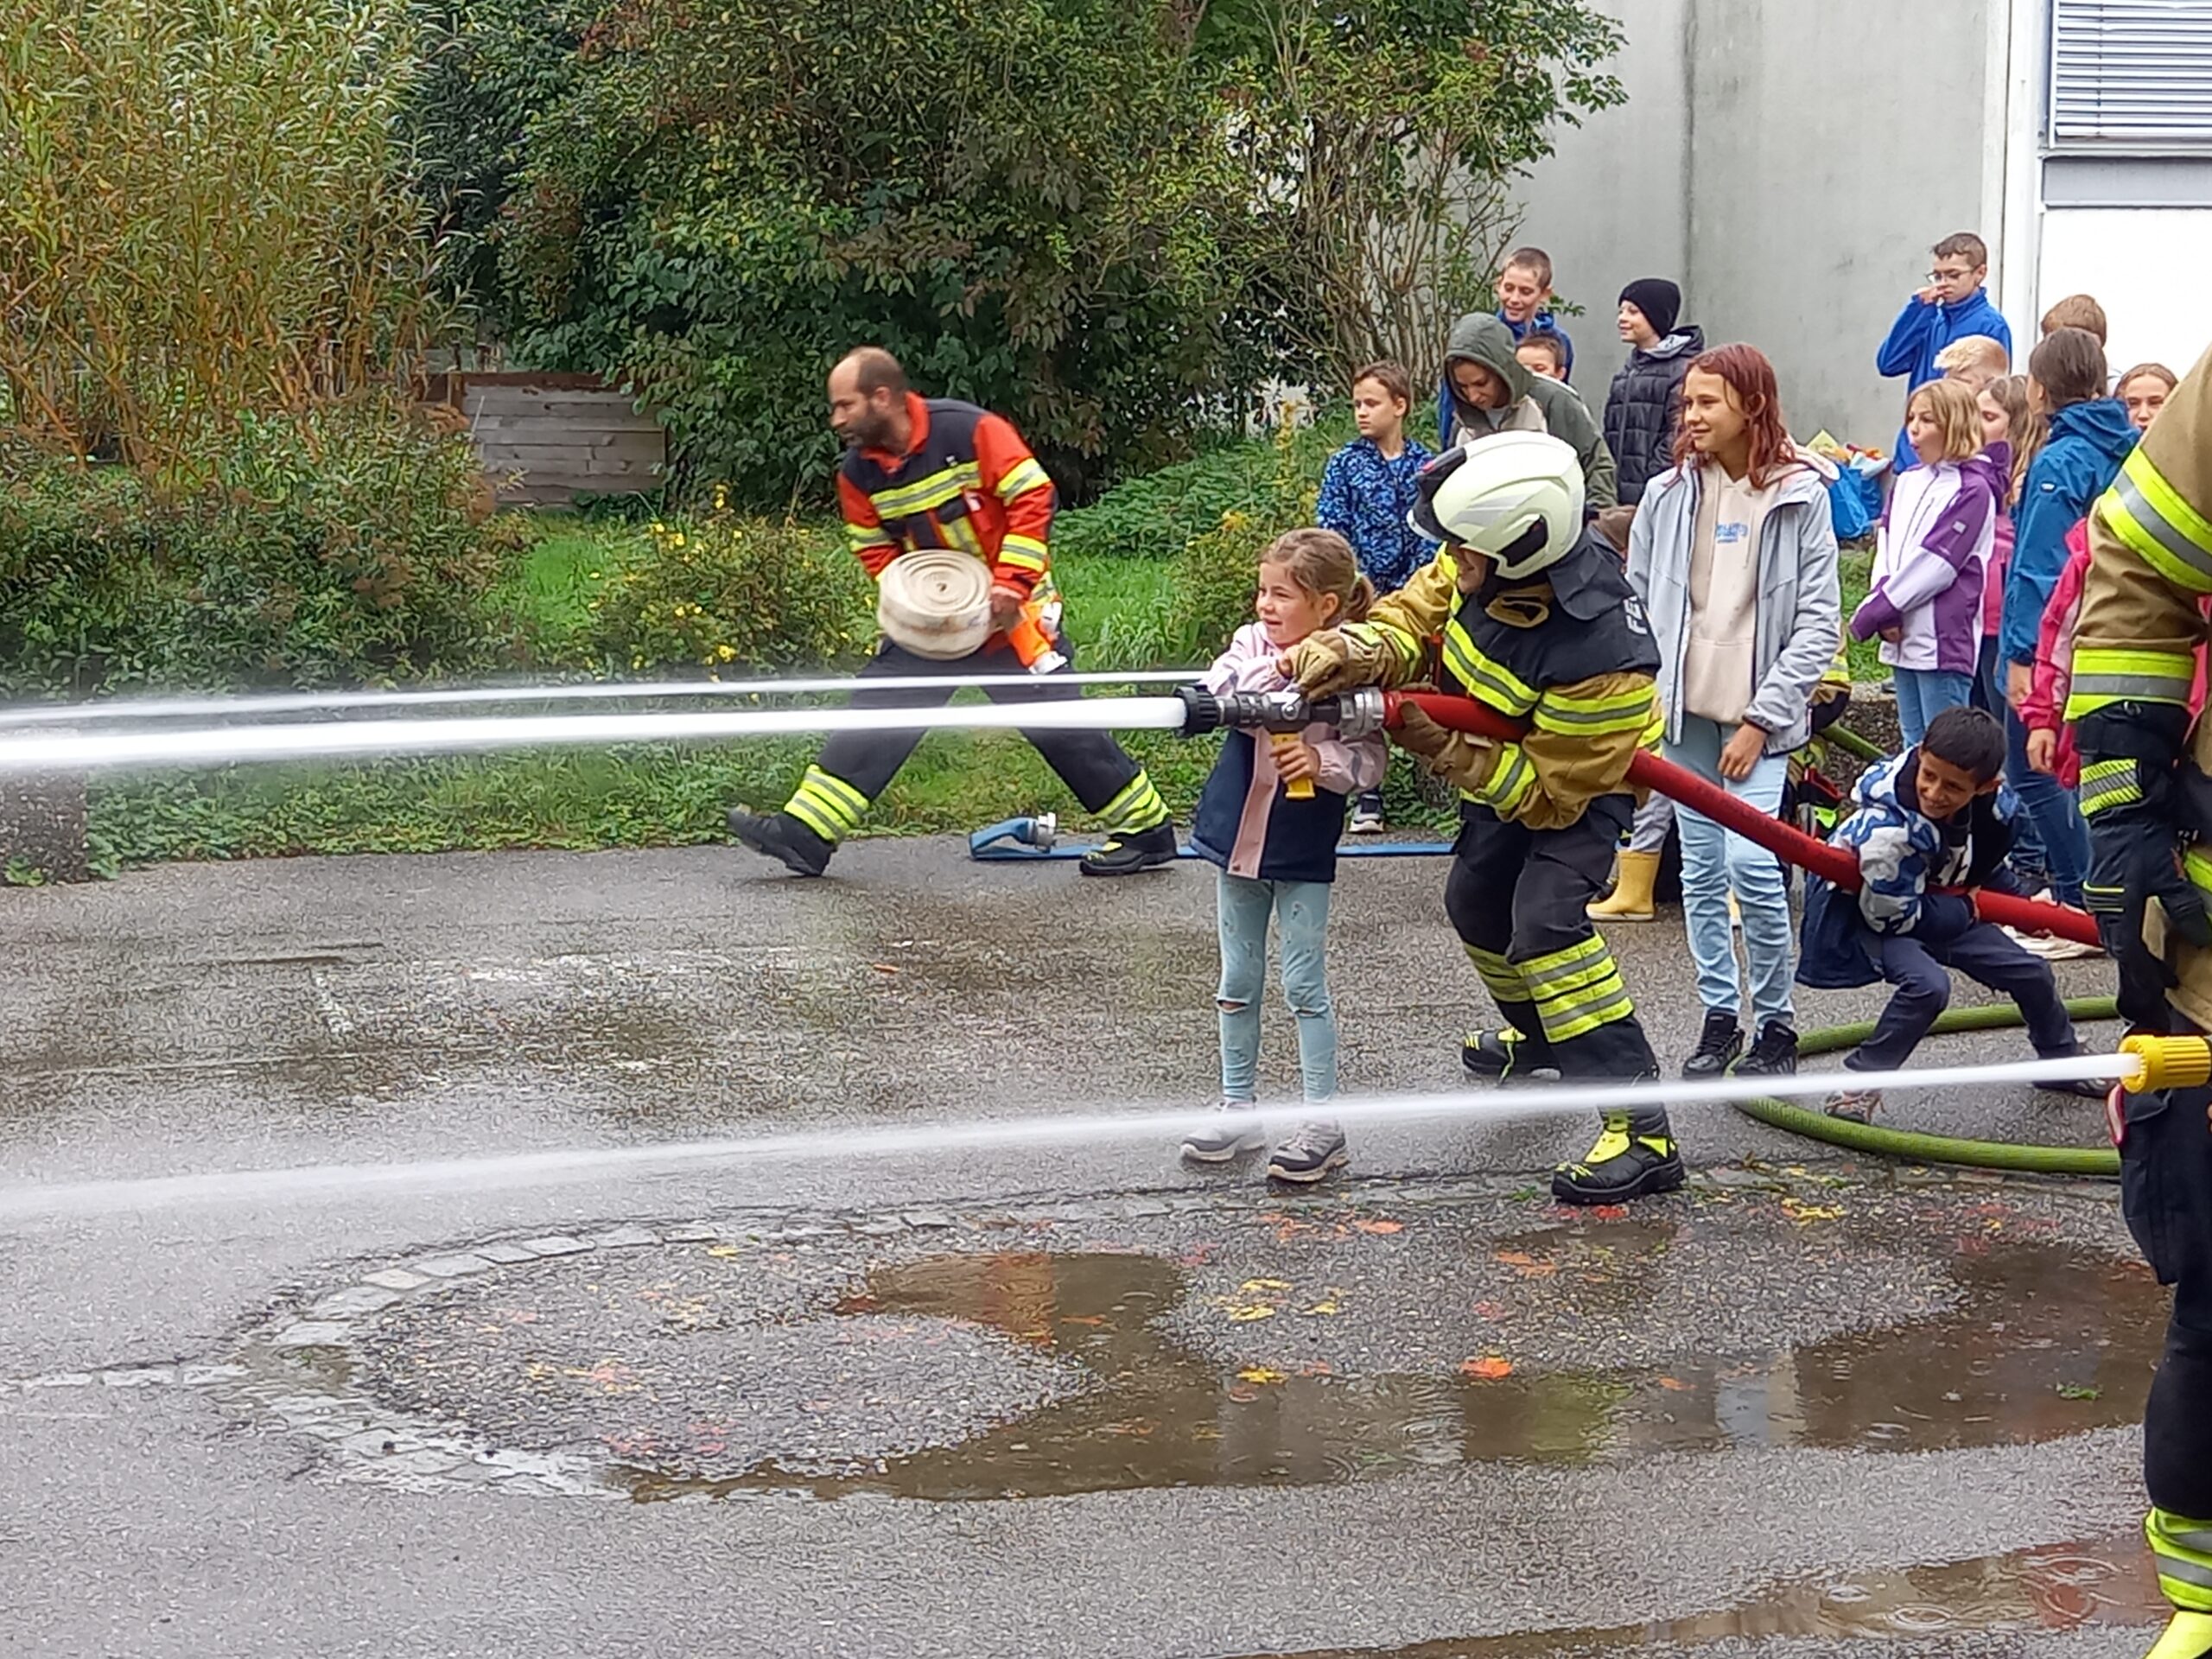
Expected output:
(2188, 1636)
(1509, 1055)
(778, 835)
(1634, 1156)
(1126, 853)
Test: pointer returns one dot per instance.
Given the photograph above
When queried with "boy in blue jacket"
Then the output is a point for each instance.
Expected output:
(1952, 305)
(1933, 818)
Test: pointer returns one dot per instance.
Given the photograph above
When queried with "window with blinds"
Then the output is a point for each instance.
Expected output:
(2132, 71)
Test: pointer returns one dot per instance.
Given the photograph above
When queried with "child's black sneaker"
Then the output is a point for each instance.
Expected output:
(2082, 1088)
(1721, 1042)
(1774, 1054)
(1312, 1152)
(1234, 1130)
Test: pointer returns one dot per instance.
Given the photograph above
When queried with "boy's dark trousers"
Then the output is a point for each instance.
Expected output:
(1920, 970)
(2165, 1186)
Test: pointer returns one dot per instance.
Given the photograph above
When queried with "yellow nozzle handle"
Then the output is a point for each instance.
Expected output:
(2168, 1063)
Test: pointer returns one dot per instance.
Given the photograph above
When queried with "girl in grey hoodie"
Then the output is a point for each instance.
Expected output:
(1733, 554)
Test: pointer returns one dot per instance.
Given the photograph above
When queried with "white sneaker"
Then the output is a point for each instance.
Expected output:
(1366, 820)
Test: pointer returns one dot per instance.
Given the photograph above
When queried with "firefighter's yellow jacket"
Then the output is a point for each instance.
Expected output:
(2142, 622)
(1566, 651)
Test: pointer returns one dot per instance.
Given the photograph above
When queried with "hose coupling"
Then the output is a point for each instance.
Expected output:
(2167, 1063)
(1354, 714)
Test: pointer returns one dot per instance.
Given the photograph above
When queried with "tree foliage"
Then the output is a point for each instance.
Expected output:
(202, 215)
(1109, 219)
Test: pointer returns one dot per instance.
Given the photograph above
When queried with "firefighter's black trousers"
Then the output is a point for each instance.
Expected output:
(854, 767)
(1517, 897)
(2166, 1192)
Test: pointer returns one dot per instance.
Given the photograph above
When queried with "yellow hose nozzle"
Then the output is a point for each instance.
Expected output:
(2167, 1063)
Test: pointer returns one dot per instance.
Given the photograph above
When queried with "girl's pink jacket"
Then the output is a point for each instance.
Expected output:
(2045, 708)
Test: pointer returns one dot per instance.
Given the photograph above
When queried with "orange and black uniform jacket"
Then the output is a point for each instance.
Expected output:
(967, 482)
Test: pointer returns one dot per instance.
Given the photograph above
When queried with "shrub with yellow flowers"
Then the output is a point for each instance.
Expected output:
(729, 592)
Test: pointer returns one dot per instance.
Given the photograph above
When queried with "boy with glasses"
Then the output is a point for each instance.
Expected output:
(1953, 305)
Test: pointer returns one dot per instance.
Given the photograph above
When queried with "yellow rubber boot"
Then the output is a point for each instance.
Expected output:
(1631, 901)
(2189, 1637)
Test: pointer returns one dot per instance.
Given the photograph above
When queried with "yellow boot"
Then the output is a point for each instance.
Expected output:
(2189, 1636)
(1632, 900)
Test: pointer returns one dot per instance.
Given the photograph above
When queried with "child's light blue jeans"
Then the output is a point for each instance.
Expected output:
(1714, 860)
(1301, 913)
(1924, 693)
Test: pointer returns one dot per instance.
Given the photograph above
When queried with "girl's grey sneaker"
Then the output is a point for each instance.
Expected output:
(1234, 1130)
(1367, 814)
(1310, 1153)
(1853, 1105)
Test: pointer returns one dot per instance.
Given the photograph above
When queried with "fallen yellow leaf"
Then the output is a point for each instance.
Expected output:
(1259, 1374)
(1251, 1311)
(1259, 1285)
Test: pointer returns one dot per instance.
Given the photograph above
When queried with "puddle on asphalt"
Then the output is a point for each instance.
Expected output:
(2061, 1588)
(2046, 1343)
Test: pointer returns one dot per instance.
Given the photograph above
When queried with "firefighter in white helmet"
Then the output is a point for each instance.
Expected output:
(1537, 622)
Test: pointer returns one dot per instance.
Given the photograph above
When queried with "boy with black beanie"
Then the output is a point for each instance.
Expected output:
(1646, 399)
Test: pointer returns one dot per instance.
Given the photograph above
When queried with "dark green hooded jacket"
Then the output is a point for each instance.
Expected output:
(1538, 406)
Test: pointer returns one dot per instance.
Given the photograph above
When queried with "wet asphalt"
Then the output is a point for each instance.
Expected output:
(981, 1401)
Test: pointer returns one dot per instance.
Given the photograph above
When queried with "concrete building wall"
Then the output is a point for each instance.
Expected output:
(1609, 205)
(1790, 163)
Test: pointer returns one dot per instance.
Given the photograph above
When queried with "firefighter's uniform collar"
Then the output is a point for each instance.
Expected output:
(1577, 582)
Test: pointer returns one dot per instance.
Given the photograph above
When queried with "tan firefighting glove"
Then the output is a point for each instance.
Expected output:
(1332, 660)
(1461, 758)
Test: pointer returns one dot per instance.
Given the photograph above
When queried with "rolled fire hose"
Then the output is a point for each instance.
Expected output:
(934, 603)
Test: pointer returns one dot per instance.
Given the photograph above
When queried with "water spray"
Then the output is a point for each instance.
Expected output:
(2142, 1063)
(139, 709)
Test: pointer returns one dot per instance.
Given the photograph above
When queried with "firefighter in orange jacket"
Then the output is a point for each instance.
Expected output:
(940, 473)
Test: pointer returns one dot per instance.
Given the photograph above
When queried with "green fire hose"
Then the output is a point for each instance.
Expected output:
(2101, 1162)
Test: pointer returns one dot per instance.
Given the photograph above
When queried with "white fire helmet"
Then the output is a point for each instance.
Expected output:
(1487, 497)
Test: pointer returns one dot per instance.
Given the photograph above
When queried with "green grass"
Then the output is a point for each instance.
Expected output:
(1857, 571)
(569, 561)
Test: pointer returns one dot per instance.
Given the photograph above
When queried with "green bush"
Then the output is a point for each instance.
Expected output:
(1218, 571)
(729, 591)
(350, 543)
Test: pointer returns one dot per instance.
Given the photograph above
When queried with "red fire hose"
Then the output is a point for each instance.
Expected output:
(1784, 841)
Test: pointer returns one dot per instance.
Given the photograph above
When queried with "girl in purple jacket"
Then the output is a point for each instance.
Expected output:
(1934, 550)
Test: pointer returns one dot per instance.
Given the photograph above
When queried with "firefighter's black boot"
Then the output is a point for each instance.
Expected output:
(1509, 1055)
(1634, 1156)
(1126, 855)
(778, 835)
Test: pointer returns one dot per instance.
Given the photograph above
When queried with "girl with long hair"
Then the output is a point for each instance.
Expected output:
(1734, 554)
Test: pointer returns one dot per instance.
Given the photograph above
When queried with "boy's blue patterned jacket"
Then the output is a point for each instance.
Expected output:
(1365, 499)
(1902, 859)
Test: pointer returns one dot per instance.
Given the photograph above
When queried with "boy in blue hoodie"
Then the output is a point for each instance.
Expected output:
(1952, 305)
(1933, 818)
(2090, 436)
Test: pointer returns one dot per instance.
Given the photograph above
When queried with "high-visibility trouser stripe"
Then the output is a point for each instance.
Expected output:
(1489, 678)
(1512, 781)
(2104, 676)
(1555, 965)
(1024, 553)
(925, 493)
(1582, 1010)
(2183, 1550)
(1136, 809)
(2109, 784)
(2149, 514)
(2197, 865)
(1022, 476)
(827, 804)
(1499, 977)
